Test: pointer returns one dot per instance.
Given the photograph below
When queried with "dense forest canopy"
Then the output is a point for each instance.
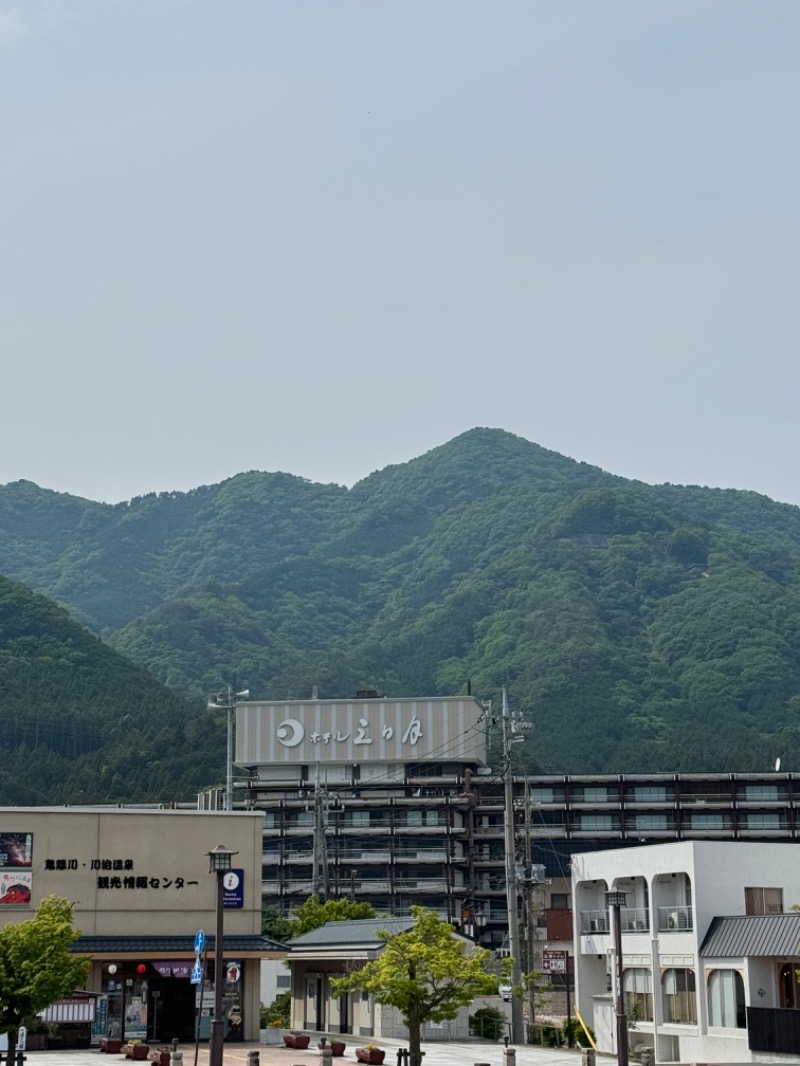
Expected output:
(641, 628)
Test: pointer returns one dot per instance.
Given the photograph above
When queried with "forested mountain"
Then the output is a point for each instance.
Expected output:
(81, 724)
(642, 628)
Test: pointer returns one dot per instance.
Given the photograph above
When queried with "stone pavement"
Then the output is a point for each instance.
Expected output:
(436, 1054)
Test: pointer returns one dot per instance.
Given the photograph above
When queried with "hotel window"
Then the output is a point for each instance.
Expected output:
(763, 901)
(593, 794)
(763, 793)
(653, 822)
(421, 818)
(704, 820)
(680, 1004)
(650, 794)
(599, 823)
(726, 1007)
(637, 988)
(762, 820)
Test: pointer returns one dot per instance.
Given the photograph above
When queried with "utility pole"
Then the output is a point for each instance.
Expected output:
(227, 701)
(517, 1021)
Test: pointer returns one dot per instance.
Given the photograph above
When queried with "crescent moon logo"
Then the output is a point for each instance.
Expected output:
(290, 733)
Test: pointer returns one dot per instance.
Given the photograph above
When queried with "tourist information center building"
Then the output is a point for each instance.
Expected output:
(141, 890)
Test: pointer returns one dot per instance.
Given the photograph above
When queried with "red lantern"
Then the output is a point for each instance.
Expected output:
(141, 968)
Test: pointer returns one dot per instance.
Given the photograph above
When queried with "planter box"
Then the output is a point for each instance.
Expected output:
(139, 1052)
(374, 1056)
(296, 1041)
(271, 1035)
(337, 1047)
(159, 1055)
(110, 1044)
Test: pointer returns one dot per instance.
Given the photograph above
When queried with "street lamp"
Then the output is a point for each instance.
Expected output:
(617, 900)
(226, 701)
(219, 862)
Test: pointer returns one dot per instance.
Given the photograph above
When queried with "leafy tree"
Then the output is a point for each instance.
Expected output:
(274, 925)
(312, 914)
(426, 973)
(36, 965)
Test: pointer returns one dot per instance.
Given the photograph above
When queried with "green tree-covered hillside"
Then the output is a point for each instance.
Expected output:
(642, 628)
(80, 723)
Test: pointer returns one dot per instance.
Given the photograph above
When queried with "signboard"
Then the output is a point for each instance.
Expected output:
(360, 731)
(196, 976)
(233, 971)
(199, 942)
(233, 889)
(16, 858)
(554, 961)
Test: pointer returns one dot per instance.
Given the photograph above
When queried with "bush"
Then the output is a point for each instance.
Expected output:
(278, 1012)
(489, 1022)
(576, 1029)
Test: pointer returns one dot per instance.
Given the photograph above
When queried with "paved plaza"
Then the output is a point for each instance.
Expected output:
(436, 1054)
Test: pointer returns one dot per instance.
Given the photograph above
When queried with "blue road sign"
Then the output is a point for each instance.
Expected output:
(199, 942)
(197, 974)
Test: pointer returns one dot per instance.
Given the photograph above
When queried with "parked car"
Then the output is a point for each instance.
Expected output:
(505, 992)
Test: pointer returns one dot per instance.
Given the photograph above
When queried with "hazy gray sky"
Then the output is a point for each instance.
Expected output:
(322, 236)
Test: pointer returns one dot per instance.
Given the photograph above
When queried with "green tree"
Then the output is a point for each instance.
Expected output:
(312, 914)
(36, 965)
(426, 973)
(274, 925)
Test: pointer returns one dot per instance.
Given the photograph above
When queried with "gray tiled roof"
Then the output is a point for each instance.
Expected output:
(773, 935)
(169, 945)
(362, 932)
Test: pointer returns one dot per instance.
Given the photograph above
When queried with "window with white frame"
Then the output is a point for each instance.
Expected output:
(726, 1007)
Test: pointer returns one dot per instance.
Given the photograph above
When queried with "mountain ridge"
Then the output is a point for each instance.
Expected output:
(611, 609)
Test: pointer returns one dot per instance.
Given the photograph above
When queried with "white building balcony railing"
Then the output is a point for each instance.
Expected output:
(675, 919)
(595, 922)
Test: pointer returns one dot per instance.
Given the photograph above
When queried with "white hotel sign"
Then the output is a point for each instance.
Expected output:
(360, 731)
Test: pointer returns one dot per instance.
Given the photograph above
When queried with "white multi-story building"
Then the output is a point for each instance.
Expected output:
(710, 956)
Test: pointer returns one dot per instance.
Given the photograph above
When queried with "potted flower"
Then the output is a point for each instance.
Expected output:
(135, 1049)
(370, 1053)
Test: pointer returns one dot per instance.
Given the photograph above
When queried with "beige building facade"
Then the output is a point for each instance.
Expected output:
(141, 891)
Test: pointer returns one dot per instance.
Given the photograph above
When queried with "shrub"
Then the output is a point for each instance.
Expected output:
(278, 1012)
(489, 1022)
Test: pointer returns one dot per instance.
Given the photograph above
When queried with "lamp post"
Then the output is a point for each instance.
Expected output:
(617, 900)
(226, 701)
(219, 862)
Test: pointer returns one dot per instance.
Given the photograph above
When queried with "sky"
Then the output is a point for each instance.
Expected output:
(326, 236)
